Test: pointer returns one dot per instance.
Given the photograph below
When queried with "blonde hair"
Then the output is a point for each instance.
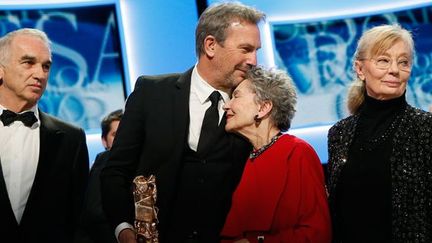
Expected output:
(374, 42)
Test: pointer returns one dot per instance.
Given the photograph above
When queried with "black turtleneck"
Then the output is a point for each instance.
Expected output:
(363, 197)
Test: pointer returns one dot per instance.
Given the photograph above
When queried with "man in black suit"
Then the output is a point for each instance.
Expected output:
(160, 134)
(44, 161)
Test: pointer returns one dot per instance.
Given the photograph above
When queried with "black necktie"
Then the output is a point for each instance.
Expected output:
(8, 117)
(210, 123)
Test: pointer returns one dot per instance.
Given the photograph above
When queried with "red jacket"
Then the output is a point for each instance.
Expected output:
(281, 196)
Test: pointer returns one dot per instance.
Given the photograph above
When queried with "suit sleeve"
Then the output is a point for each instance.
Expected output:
(121, 167)
(80, 175)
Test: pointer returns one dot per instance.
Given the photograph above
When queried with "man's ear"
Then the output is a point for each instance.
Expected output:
(210, 45)
(358, 65)
(265, 109)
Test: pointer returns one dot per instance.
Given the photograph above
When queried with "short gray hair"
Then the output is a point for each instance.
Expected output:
(6, 40)
(218, 17)
(276, 86)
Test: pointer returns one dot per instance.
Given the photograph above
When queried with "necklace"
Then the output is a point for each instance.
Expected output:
(259, 151)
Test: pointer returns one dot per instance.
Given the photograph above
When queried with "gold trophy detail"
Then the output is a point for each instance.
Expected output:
(144, 192)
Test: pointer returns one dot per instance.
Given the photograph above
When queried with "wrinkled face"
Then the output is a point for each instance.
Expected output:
(25, 73)
(109, 139)
(241, 109)
(236, 54)
(386, 75)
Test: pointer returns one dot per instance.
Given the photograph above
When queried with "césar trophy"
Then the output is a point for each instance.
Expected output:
(144, 192)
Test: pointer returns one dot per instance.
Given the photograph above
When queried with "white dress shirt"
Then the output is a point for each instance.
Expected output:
(19, 155)
(198, 104)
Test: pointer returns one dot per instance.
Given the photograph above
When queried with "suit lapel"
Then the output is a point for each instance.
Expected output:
(179, 124)
(49, 136)
(181, 107)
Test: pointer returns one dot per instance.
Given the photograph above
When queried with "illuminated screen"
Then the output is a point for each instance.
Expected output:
(318, 55)
(87, 78)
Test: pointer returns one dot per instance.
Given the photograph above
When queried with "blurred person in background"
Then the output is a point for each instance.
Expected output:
(95, 225)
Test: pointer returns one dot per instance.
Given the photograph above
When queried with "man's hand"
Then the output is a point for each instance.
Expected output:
(127, 236)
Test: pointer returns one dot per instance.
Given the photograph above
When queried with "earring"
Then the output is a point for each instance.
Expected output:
(257, 120)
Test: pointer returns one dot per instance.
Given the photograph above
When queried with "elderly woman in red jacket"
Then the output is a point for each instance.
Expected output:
(281, 196)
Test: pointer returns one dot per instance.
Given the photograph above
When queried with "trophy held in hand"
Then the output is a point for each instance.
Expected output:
(144, 191)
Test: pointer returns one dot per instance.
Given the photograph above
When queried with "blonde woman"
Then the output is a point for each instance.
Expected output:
(380, 162)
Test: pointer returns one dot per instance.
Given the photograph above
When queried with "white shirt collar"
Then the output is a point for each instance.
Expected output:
(204, 89)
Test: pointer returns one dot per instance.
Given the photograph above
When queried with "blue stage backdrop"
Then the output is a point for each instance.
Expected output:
(87, 78)
(319, 54)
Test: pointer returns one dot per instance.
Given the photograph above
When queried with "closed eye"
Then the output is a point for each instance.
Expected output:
(383, 60)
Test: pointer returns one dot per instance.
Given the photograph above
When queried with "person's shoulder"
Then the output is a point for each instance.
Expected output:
(149, 83)
(416, 121)
(343, 124)
(103, 156)
(345, 121)
(418, 115)
(100, 160)
(295, 142)
(157, 80)
(295, 146)
(53, 122)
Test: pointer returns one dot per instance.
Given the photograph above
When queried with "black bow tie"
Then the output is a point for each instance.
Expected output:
(8, 117)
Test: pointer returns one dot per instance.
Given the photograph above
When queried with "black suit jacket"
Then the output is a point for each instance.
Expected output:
(96, 227)
(55, 200)
(150, 140)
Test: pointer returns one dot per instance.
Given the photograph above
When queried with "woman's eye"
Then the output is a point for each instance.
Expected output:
(404, 63)
(383, 60)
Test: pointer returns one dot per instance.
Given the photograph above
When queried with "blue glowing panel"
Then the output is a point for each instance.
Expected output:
(87, 78)
(318, 55)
